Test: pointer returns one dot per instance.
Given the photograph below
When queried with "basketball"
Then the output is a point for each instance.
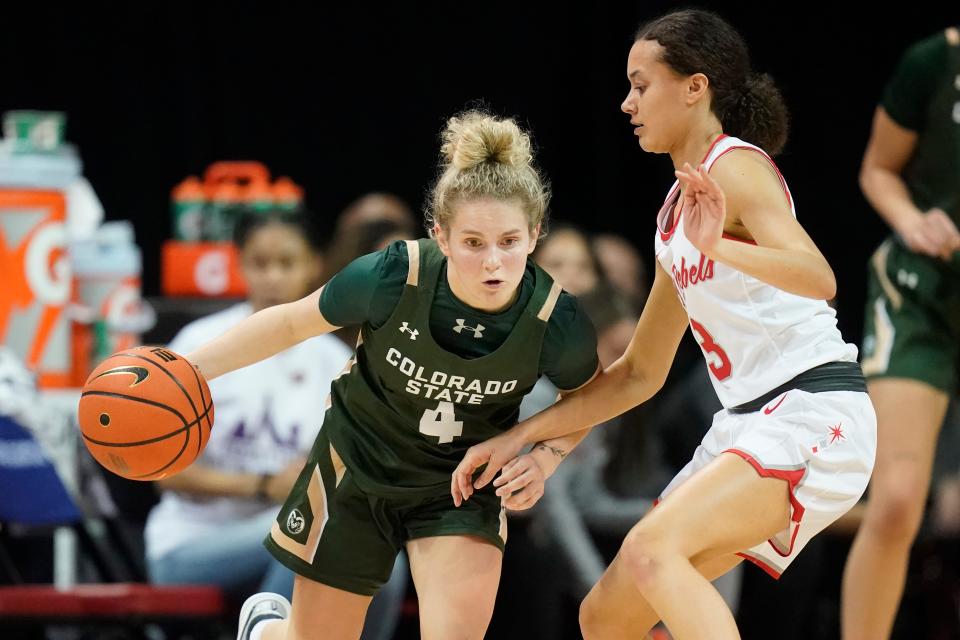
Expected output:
(145, 413)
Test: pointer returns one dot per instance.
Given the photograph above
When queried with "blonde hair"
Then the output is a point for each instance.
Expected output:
(484, 156)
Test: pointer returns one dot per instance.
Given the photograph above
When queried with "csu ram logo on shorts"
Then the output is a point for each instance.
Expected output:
(295, 522)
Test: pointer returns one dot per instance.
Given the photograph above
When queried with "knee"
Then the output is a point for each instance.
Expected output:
(591, 618)
(644, 555)
(895, 510)
(601, 620)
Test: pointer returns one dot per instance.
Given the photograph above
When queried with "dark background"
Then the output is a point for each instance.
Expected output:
(349, 97)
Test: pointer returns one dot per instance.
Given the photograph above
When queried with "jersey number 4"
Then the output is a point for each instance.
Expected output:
(722, 370)
(441, 422)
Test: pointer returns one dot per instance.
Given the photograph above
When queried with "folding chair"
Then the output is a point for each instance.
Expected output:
(32, 495)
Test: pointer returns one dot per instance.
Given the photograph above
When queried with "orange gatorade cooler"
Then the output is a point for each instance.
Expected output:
(35, 272)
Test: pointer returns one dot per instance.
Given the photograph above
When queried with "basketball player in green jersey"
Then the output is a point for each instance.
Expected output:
(911, 348)
(455, 331)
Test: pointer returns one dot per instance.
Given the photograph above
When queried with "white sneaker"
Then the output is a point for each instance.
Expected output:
(260, 607)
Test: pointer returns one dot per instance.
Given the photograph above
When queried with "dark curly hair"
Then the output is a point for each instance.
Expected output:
(748, 104)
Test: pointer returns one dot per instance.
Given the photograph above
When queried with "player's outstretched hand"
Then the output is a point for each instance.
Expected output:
(494, 453)
(521, 483)
(703, 208)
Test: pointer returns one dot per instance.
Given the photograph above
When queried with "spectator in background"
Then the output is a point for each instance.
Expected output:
(211, 520)
(363, 238)
(376, 206)
(369, 224)
(912, 335)
(622, 265)
(565, 254)
(568, 255)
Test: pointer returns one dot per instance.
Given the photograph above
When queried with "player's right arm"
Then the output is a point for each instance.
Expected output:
(632, 379)
(366, 290)
(889, 149)
(262, 335)
(629, 381)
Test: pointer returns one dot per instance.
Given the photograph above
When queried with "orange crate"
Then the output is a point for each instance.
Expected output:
(208, 269)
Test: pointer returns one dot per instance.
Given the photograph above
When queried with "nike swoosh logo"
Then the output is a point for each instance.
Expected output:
(770, 410)
(140, 373)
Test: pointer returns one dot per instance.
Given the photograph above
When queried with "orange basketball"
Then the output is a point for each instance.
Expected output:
(145, 413)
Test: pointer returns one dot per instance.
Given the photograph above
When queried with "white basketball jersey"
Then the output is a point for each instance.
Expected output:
(754, 336)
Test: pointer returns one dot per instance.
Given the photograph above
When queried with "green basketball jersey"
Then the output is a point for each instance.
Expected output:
(924, 96)
(407, 410)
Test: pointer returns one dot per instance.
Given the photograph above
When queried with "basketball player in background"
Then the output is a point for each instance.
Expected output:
(911, 176)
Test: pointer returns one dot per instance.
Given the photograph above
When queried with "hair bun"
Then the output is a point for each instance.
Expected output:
(474, 138)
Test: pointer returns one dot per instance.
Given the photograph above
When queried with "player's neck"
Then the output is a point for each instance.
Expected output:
(694, 147)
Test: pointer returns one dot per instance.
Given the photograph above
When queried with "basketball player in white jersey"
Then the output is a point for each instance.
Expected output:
(793, 448)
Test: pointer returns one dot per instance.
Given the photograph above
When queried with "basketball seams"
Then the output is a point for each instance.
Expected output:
(176, 380)
(186, 425)
(182, 389)
(123, 396)
(203, 401)
(149, 475)
(146, 476)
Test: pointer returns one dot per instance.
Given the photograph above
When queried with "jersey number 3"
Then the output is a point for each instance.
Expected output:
(720, 371)
(441, 422)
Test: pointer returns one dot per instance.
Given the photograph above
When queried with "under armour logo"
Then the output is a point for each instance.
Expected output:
(477, 330)
(908, 278)
(405, 327)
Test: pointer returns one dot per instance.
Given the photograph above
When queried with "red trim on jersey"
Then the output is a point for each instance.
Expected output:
(722, 136)
(773, 573)
(793, 538)
(783, 183)
(666, 235)
(667, 205)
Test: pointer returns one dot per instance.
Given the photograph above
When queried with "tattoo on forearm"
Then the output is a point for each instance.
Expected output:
(560, 453)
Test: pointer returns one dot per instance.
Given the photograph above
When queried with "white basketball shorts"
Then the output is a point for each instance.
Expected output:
(822, 444)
